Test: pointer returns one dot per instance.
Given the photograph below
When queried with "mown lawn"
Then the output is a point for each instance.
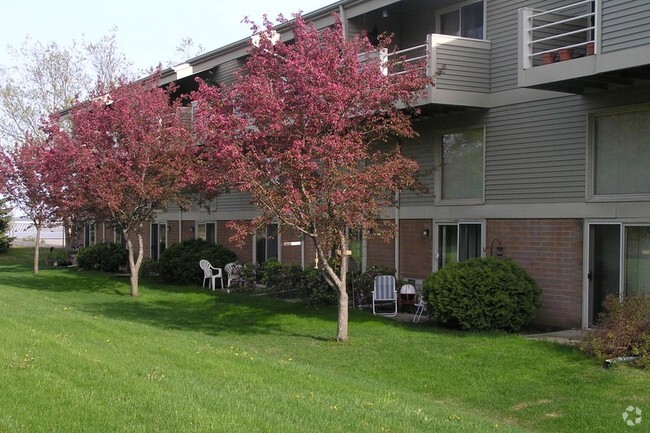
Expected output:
(78, 354)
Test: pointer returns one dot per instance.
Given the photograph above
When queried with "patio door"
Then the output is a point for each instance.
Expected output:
(619, 263)
(458, 242)
(267, 243)
(158, 239)
(604, 273)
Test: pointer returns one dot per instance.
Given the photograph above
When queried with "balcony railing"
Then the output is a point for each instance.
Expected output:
(460, 67)
(559, 34)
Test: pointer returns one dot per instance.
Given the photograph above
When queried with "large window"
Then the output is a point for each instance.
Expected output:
(466, 20)
(462, 165)
(621, 154)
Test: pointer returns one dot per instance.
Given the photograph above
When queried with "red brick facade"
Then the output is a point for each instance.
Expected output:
(551, 251)
(416, 248)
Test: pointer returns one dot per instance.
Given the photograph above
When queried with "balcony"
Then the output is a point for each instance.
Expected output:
(587, 45)
(460, 67)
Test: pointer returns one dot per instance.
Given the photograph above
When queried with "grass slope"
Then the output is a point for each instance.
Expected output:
(78, 354)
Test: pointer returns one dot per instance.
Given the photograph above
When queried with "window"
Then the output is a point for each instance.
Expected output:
(458, 242)
(637, 260)
(207, 232)
(621, 154)
(465, 20)
(462, 165)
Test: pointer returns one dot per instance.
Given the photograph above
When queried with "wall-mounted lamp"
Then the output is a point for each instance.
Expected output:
(169, 228)
(426, 233)
(192, 229)
(384, 13)
(498, 249)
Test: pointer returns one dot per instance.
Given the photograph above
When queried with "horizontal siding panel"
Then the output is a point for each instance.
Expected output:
(421, 150)
(536, 151)
(626, 24)
(234, 201)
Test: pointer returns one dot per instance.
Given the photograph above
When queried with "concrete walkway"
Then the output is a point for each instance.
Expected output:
(569, 336)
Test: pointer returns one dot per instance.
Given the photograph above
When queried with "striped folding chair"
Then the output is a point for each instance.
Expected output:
(384, 292)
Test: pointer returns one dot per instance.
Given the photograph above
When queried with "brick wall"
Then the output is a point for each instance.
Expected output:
(244, 252)
(551, 251)
(415, 250)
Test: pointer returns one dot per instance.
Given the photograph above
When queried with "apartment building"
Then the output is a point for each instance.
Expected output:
(534, 143)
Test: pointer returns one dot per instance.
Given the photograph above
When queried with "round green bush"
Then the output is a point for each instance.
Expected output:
(482, 294)
(107, 257)
(179, 264)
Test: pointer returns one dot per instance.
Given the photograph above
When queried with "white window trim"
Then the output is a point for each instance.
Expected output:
(437, 152)
(590, 194)
(457, 7)
(436, 239)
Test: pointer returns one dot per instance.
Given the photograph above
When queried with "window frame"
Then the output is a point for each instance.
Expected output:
(458, 7)
(196, 231)
(436, 241)
(438, 187)
(590, 194)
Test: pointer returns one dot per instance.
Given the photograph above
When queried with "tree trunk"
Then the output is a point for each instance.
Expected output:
(342, 329)
(37, 248)
(134, 263)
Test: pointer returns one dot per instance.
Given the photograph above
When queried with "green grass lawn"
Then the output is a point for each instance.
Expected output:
(78, 354)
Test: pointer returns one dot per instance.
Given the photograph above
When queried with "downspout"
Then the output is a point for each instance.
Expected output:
(180, 224)
(397, 239)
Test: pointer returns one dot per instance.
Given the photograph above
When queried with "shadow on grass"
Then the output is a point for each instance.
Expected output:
(194, 309)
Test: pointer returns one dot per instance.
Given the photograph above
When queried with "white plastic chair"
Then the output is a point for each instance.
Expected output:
(232, 272)
(384, 292)
(211, 273)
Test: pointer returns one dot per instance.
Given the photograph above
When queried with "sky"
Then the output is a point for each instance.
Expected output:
(148, 31)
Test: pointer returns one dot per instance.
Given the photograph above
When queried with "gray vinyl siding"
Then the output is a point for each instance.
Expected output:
(626, 24)
(466, 66)
(234, 202)
(225, 71)
(503, 32)
(421, 150)
(536, 152)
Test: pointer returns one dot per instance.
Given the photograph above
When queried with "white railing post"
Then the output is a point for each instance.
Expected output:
(598, 23)
(525, 39)
(432, 61)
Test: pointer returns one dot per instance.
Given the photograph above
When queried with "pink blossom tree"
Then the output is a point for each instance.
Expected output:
(310, 129)
(126, 155)
(25, 180)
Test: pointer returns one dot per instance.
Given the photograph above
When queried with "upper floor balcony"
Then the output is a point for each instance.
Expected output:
(460, 68)
(590, 44)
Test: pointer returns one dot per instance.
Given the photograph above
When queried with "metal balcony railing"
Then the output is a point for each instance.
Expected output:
(559, 34)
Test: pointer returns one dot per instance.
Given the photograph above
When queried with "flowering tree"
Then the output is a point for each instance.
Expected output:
(309, 130)
(24, 179)
(127, 154)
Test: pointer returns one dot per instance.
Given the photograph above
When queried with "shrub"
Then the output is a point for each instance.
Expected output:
(179, 264)
(58, 257)
(623, 330)
(149, 268)
(107, 257)
(482, 294)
